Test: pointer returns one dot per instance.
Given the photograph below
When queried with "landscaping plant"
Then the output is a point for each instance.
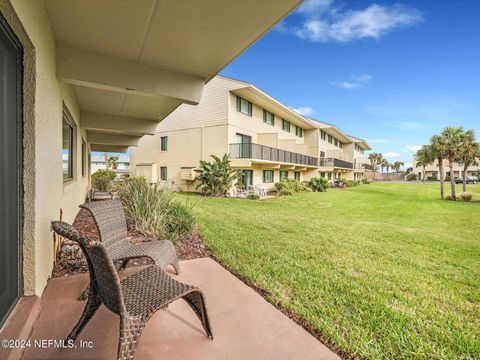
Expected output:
(217, 177)
(289, 187)
(319, 184)
(102, 180)
(152, 210)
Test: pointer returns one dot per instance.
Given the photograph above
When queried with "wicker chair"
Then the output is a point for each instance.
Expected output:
(135, 299)
(112, 226)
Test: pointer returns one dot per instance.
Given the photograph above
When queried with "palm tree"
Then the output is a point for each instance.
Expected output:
(375, 160)
(453, 136)
(425, 157)
(470, 152)
(397, 165)
(385, 164)
(439, 150)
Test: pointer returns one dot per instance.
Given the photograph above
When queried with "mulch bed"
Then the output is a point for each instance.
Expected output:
(71, 260)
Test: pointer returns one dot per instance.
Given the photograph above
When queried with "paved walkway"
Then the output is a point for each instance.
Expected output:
(244, 325)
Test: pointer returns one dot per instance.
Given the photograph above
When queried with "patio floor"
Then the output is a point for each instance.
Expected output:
(244, 325)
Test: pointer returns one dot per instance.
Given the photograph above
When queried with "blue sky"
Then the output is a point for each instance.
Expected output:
(391, 73)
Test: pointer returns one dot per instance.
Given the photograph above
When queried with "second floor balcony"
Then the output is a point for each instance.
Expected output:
(331, 162)
(262, 152)
(363, 166)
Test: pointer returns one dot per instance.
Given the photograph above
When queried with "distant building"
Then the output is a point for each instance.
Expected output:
(432, 170)
(123, 164)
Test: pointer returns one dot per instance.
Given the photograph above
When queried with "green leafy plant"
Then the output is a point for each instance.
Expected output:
(253, 197)
(289, 187)
(113, 161)
(217, 177)
(411, 177)
(102, 180)
(465, 196)
(319, 184)
(153, 211)
(365, 181)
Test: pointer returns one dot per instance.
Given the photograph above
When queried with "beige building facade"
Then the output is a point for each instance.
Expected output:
(79, 83)
(266, 139)
(432, 171)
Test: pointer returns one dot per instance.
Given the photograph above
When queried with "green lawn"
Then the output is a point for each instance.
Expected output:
(384, 270)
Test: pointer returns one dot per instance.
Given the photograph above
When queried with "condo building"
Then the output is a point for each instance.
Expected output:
(432, 171)
(266, 139)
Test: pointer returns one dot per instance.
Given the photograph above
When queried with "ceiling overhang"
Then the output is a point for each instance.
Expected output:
(136, 61)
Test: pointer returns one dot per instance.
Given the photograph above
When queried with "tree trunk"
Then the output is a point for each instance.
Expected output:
(465, 168)
(452, 177)
(423, 174)
(442, 178)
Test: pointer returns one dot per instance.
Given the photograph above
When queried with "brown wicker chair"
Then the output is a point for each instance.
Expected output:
(112, 226)
(135, 299)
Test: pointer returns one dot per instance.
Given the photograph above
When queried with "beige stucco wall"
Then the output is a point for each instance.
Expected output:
(43, 159)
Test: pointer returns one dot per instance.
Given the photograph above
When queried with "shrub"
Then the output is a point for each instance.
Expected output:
(253, 197)
(465, 196)
(319, 184)
(365, 181)
(217, 177)
(411, 177)
(289, 187)
(351, 183)
(431, 178)
(152, 210)
(102, 180)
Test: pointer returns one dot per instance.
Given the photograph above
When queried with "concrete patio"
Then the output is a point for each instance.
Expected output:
(245, 326)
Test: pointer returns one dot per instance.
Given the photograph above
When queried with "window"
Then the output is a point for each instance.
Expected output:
(285, 125)
(163, 173)
(322, 174)
(244, 106)
(296, 175)
(283, 175)
(340, 145)
(268, 117)
(84, 158)
(298, 131)
(164, 143)
(335, 142)
(322, 154)
(330, 139)
(329, 176)
(267, 176)
(323, 135)
(68, 145)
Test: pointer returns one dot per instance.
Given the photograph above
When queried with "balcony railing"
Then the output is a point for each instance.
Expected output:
(334, 162)
(262, 152)
(363, 167)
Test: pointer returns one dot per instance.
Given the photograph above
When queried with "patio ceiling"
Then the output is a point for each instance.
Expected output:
(140, 60)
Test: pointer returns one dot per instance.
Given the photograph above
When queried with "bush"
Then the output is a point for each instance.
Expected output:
(465, 196)
(289, 187)
(351, 183)
(102, 180)
(253, 197)
(365, 181)
(152, 210)
(411, 177)
(217, 177)
(431, 178)
(319, 184)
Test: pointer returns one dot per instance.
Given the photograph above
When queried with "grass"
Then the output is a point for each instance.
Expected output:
(385, 270)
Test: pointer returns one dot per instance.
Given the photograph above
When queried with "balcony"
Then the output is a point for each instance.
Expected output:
(334, 163)
(262, 152)
(363, 167)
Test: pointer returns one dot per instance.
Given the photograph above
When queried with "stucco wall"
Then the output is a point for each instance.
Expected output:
(43, 159)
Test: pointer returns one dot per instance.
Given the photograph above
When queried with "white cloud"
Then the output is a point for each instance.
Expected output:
(406, 165)
(378, 141)
(413, 148)
(304, 110)
(356, 82)
(324, 21)
(391, 154)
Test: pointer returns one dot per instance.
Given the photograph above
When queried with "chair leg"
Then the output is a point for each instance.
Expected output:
(91, 307)
(176, 266)
(197, 303)
(130, 330)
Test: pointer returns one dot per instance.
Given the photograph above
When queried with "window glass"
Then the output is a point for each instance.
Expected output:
(296, 174)
(164, 143)
(285, 125)
(84, 158)
(268, 117)
(68, 132)
(163, 173)
(244, 106)
(299, 131)
(267, 176)
(330, 139)
(283, 175)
